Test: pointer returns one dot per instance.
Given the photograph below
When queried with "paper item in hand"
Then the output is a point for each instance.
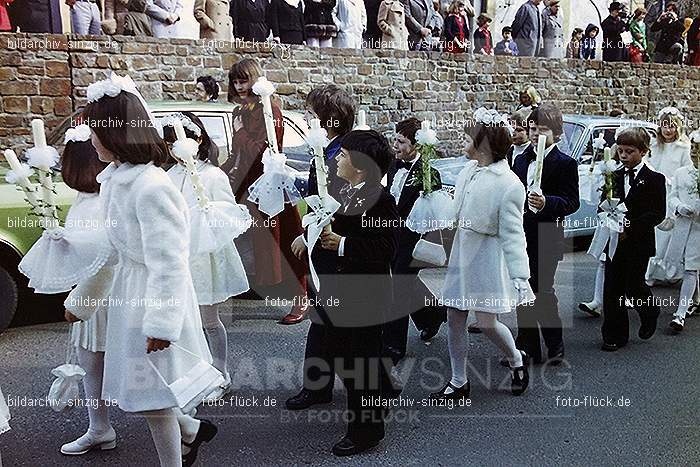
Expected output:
(320, 212)
(275, 186)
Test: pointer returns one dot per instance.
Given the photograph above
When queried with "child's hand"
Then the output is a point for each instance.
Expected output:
(70, 317)
(535, 200)
(154, 345)
(330, 240)
(298, 247)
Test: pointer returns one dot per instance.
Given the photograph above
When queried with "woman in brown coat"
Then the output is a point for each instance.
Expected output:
(214, 20)
(271, 237)
(392, 22)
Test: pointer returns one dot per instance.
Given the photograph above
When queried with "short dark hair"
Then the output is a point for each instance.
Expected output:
(334, 107)
(549, 115)
(494, 139)
(408, 128)
(80, 166)
(634, 136)
(672, 6)
(208, 151)
(369, 151)
(617, 112)
(123, 126)
(247, 69)
(483, 19)
(507, 29)
(575, 32)
(211, 87)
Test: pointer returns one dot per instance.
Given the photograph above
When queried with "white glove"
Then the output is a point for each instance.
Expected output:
(524, 291)
(685, 210)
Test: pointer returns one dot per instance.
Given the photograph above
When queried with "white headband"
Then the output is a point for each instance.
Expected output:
(168, 120)
(492, 117)
(78, 134)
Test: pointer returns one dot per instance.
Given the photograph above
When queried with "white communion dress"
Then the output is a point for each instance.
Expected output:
(4, 415)
(151, 292)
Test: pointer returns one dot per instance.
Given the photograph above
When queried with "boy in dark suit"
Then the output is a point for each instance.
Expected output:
(644, 193)
(356, 294)
(544, 232)
(405, 183)
(335, 108)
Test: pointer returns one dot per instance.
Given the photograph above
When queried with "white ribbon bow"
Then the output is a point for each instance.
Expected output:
(319, 215)
(611, 222)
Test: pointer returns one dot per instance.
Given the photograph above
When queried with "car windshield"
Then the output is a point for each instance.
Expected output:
(572, 133)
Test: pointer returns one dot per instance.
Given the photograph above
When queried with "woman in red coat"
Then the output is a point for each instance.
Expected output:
(5, 24)
(271, 238)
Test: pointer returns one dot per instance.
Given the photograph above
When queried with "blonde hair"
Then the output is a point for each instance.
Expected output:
(671, 120)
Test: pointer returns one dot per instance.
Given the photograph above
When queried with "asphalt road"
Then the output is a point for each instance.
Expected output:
(652, 386)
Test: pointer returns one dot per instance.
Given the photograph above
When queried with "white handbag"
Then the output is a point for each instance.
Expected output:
(626, 37)
(429, 252)
(64, 391)
(190, 389)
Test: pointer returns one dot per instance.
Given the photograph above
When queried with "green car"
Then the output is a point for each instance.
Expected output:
(19, 230)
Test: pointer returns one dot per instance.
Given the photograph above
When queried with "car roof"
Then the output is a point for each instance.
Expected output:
(605, 120)
(192, 106)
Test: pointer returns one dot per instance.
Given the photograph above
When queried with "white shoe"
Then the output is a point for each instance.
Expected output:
(220, 391)
(592, 308)
(677, 323)
(90, 441)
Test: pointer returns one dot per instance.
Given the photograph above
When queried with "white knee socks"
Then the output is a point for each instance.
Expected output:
(688, 287)
(98, 413)
(166, 436)
(216, 336)
(599, 282)
(457, 340)
(499, 334)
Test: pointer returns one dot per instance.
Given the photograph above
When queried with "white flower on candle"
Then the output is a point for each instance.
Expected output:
(79, 133)
(42, 158)
(426, 137)
(695, 137)
(317, 137)
(22, 173)
(610, 166)
(106, 87)
(263, 87)
(599, 142)
(182, 149)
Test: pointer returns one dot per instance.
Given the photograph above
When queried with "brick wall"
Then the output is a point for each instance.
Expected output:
(47, 75)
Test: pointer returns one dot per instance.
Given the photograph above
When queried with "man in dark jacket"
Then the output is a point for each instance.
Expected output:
(527, 29)
(669, 44)
(372, 35)
(614, 49)
(36, 15)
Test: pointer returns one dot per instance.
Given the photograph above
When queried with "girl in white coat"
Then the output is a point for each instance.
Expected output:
(173, 19)
(669, 152)
(488, 269)
(219, 275)
(350, 17)
(154, 331)
(79, 169)
(684, 246)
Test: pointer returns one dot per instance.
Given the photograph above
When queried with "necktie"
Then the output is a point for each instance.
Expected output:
(347, 193)
(630, 173)
(530, 155)
(403, 165)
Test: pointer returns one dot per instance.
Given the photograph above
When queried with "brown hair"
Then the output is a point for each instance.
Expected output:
(634, 136)
(123, 126)
(208, 151)
(80, 166)
(408, 128)
(639, 12)
(454, 7)
(548, 115)
(334, 107)
(248, 69)
(494, 139)
(483, 19)
(519, 119)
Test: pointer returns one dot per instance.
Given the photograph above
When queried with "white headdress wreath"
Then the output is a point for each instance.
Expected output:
(492, 117)
(78, 134)
(169, 119)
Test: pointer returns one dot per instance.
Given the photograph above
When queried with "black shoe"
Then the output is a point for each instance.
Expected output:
(457, 393)
(648, 327)
(207, 431)
(588, 307)
(347, 447)
(610, 347)
(306, 399)
(428, 333)
(527, 359)
(474, 329)
(519, 380)
(556, 356)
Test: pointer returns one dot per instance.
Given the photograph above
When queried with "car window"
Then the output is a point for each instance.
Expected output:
(216, 128)
(295, 137)
(572, 133)
(608, 134)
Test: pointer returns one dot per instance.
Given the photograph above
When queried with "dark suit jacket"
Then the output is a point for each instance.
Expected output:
(646, 208)
(560, 188)
(361, 281)
(250, 19)
(407, 238)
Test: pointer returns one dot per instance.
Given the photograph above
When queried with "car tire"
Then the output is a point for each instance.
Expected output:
(8, 305)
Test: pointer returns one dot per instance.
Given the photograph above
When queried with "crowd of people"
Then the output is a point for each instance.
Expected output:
(507, 209)
(537, 29)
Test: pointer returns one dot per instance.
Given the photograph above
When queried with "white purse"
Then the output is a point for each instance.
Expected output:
(429, 252)
(190, 390)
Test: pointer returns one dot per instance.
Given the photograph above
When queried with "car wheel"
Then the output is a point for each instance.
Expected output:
(8, 306)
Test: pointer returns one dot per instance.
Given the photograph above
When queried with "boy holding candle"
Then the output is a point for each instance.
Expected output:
(358, 289)
(643, 191)
(551, 182)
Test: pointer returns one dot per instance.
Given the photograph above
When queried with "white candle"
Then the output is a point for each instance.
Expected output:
(269, 116)
(607, 154)
(361, 118)
(179, 131)
(38, 133)
(425, 125)
(541, 144)
(188, 160)
(22, 182)
(321, 178)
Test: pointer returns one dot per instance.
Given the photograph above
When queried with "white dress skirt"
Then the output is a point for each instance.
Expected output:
(4, 414)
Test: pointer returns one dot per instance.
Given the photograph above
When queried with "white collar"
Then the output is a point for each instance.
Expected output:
(359, 185)
(495, 167)
(293, 3)
(122, 173)
(636, 168)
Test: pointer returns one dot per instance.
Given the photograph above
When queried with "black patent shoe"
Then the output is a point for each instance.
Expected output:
(506, 363)
(207, 431)
(519, 380)
(347, 447)
(306, 399)
(457, 393)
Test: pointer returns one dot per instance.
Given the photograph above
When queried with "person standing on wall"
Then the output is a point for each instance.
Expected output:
(614, 49)
(552, 30)
(527, 29)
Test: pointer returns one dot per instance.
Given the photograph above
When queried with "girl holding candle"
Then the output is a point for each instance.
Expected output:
(669, 152)
(80, 166)
(488, 268)
(265, 247)
(154, 332)
(219, 275)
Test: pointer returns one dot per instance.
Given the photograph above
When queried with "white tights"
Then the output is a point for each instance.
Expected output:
(599, 283)
(169, 427)
(216, 336)
(688, 289)
(98, 412)
(458, 339)
(315, 42)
